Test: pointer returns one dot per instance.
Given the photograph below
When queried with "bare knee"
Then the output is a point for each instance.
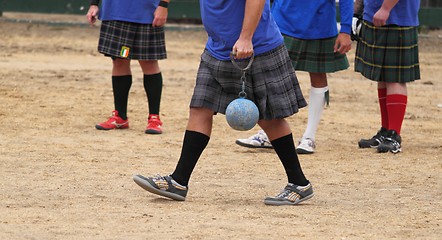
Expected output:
(121, 67)
(318, 80)
(275, 128)
(200, 120)
(149, 66)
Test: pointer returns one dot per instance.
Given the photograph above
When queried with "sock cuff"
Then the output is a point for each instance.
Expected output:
(319, 90)
(282, 139)
(397, 98)
(198, 135)
(152, 75)
(122, 77)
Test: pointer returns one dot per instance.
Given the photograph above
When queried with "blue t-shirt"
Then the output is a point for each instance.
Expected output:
(404, 13)
(223, 20)
(137, 11)
(312, 19)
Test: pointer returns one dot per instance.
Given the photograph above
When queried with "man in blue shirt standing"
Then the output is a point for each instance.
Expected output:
(132, 30)
(315, 46)
(387, 53)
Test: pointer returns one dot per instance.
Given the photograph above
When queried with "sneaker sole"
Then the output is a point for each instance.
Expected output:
(98, 127)
(143, 183)
(367, 146)
(303, 151)
(281, 203)
(150, 131)
(250, 145)
(388, 150)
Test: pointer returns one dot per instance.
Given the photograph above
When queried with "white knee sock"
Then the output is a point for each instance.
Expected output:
(315, 108)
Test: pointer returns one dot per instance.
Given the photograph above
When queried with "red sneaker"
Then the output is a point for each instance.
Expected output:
(114, 122)
(154, 124)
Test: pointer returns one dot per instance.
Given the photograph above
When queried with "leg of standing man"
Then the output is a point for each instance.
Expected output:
(153, 86)
(121, 84)
(317, 101)
(396, 37)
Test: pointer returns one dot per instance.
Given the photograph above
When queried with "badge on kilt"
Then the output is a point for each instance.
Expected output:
(124, 53)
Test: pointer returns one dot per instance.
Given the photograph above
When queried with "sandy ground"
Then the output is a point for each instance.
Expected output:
(62, 179)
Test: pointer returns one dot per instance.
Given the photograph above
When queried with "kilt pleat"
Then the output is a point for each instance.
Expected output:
(388, 54)
(316, 56)
(270, 82)
(132, 41)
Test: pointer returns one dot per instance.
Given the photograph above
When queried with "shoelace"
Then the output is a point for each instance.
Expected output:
(310, 142)
(259, 139)
(158, 178)
(154, 122)
(284, 193)
(393, 142)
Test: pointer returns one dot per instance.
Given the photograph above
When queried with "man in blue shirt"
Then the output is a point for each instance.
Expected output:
(132, 30)
(245, 28)
(387, 53)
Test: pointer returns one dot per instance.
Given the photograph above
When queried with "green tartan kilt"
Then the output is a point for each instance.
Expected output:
(388, 54)
(315, 55)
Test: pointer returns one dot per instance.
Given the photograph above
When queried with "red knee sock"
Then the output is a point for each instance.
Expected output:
(382, 96)
(396, 105)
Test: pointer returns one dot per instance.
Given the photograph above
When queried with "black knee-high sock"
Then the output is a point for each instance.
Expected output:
(153, 85)
(285, 148)
(194, 144)
(121, 86)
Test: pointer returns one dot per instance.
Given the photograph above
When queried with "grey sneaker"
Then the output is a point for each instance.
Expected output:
(306, 146)
(259, 140)
(291, 195)
(391, 143)
(162, 185)
(374, 141)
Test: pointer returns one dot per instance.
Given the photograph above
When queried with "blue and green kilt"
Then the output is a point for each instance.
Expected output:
(388, 53)
(315, 55)
(270, 82)
(129, 40)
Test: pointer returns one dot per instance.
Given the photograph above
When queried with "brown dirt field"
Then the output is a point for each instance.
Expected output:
(62, 179)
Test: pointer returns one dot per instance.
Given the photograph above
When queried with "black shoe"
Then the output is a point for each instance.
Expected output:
(375, 141)
(291, 195)
(391, 143)
(162, 185)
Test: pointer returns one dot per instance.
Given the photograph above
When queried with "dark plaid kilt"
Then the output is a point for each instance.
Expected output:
(270, 82)
(316, 56)
(132, 41)
(388, 54)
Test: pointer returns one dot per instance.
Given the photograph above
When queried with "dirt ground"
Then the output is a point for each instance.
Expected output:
(62, 179)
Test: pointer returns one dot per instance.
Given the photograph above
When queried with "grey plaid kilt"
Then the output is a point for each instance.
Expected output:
(315, 55)
(388, 54)
(270, 82)
(141, 41)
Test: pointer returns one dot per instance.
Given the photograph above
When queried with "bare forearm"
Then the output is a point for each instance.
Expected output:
(252, 16)
(389, 4)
